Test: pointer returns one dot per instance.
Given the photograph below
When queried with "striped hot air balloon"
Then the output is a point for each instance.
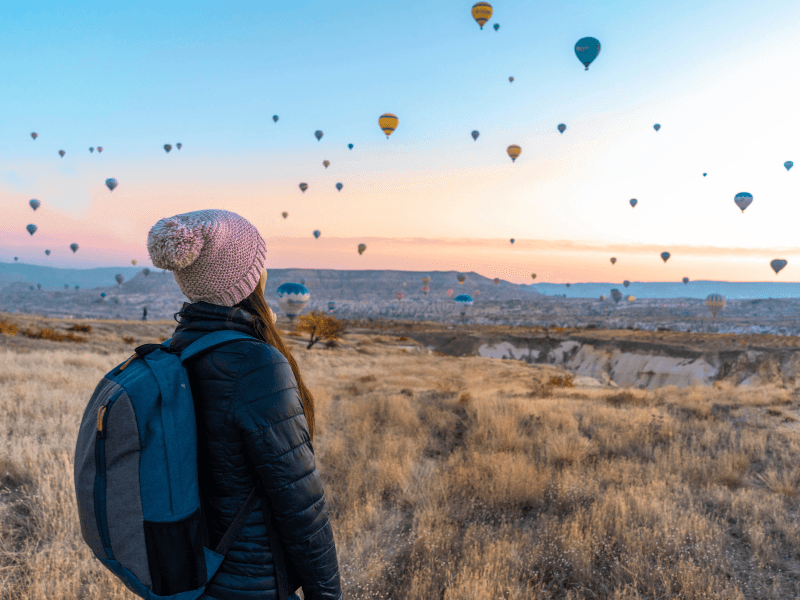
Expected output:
(388, 123)
(715, 303)
(482, 12)
(513, 151)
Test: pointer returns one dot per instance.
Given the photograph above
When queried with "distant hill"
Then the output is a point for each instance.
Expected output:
(694, 289)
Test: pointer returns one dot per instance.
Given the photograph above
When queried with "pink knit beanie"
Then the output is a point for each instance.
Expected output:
(216, 256)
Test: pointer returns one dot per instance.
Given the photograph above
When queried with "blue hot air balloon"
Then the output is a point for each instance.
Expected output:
(587, 49)
(292, 298)
(511, 240)
(665, 256)
(317, 233)
(778, 264)
(464, 301)
(34, 204)
(318, 134)
(634, 202)
(656, 126)
(31, 228)
(339, 186)
(496, 26)
(275, 118)
(102, 294)
(743, 200)
(704, 174)
(47, 252)
(562, 128)
(111, 183)
(74, 247)
(475, 135)
(788, 164)
(331, 305)
(350, 146)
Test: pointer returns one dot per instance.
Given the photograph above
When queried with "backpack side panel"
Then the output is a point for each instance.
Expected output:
(85, 466)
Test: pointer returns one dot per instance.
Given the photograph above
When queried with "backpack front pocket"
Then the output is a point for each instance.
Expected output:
(175, 554)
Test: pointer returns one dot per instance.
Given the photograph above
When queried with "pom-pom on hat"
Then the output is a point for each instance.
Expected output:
(215, 255)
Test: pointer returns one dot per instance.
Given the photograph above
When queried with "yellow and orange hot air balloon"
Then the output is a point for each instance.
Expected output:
(482, 12)
(388, 123)
(513, 151)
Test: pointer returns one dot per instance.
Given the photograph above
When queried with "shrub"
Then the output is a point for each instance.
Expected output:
(561, 381)
(320, 326)
(128, 339)
(49, 334)
(7, 328)
(84, 328)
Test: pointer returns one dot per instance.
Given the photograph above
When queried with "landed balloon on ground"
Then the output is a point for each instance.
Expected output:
(303, 187)
(339, 186)
(34, 204)
(777, 264)
(513, 151)
(788, 164)
(318, 134)
(481, 12)
(111, 183)
(388, 123)
(325, 163)
(317, 233)
(715, 303)
(292, 298)
(562, 128)
(634, 202)
(120, 278)
(167, 148)
(665, 256)
(361, 248)
(743, 200)
(587, 49)
(475, 135)
(31, 228)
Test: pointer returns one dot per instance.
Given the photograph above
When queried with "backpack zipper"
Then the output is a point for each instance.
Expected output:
(100, 473)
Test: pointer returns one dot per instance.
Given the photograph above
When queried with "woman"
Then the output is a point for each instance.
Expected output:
(255, 415)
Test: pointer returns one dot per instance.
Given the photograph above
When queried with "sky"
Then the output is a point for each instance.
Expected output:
(132, 76)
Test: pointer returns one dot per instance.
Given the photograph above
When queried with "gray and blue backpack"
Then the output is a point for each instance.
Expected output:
(136, 477)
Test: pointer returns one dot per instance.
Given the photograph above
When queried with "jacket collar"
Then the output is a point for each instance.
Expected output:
(200, 318)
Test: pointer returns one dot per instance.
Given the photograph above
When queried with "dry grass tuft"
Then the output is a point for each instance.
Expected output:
(50, 334)
(7, 328)
(83, 328)
(128, 339)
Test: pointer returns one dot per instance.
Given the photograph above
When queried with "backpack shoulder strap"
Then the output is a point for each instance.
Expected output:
(213, 340)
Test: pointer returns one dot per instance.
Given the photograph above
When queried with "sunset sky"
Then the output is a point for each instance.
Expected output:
(720, 78)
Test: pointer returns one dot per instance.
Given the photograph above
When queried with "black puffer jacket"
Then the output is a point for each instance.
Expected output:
(251, 430)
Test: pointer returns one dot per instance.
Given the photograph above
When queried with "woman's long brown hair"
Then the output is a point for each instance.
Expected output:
(256, 305)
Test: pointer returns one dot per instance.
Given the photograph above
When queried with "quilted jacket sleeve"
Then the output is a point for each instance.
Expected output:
(269, 412)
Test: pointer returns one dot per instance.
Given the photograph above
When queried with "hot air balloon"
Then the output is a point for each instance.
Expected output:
(31, 228)
(496, 26)
(513, 151)
(16, 258)
(339, 186)
(179, 145)
(496, 280)
(111, 183)
(134, 261)
(634, 202)
(47, 252)
(34, 204)
(350, 146)
(318, 134)
(788, 164)
(464, 301)
(562, 128)
(568, 285)
(743, 200)
(426, 280)
(61, 153)
(777, 264)
(34, 135)
(325, 163)
(91, 150)
(613, 260)
(388, 123)
(665, 256)
(167, 148)
(77, 286)
(461, 278)
(292, 298)
(317, 233)
(656, 126)
(511, 80)
(399, 295)
(449, 292)
(99, 148)
(602, 298)
(284, 214)
(74, 247)
(533, 276)
(704, 174)
(626, 283)
(275, 118)
(475, 135)
(587, 49)
(331, 306)
(146, 271)
(361, 248)
(425, 289)
(120, 278)
(303, 187)
(511, 240)
(38, 286)
(616, 295)
(102, 294)
(715, 303)
(685, 280)
(482, 12)
(66, 286)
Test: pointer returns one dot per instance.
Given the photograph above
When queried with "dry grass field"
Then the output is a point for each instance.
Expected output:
(452, 478)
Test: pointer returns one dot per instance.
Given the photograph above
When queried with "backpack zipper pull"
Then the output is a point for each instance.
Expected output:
(100, 433)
